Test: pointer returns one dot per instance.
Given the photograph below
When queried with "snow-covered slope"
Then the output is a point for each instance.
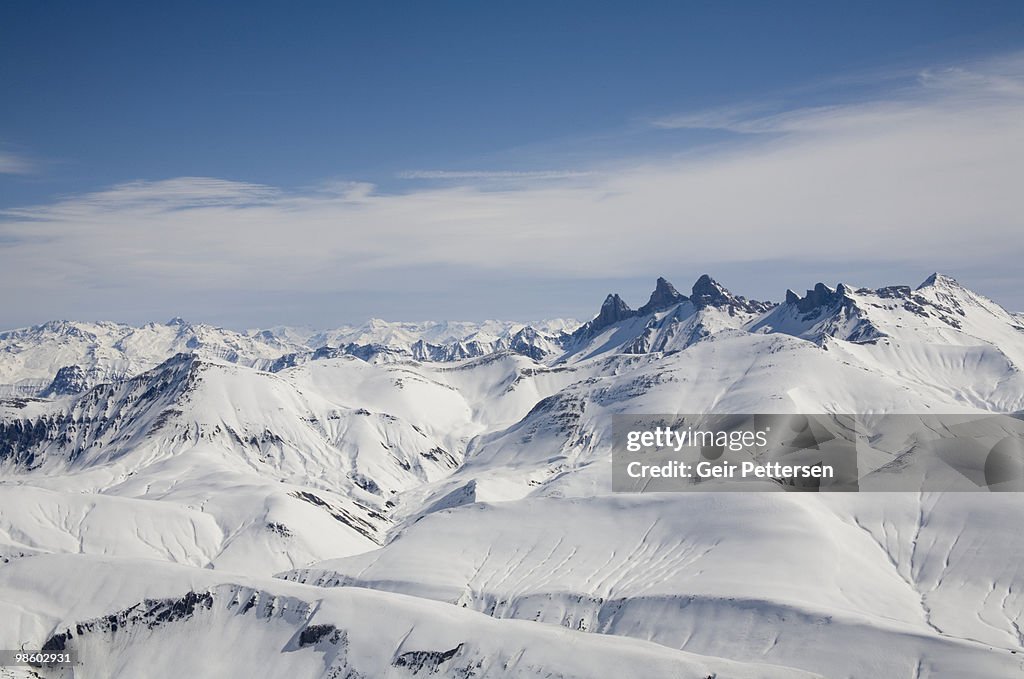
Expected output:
(134, 618)
(762, 577)
(405, 472)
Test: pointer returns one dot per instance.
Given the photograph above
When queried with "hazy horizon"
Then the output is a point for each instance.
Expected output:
(634, 292)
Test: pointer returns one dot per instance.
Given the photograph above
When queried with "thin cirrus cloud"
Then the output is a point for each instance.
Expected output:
(498, 175)
(925, 176)
(13, 163)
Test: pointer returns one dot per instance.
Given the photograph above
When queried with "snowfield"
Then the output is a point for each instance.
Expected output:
(434, 499)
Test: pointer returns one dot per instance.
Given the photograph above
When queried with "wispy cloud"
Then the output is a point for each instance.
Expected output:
(927, 174)
(13, 163)
(740, 118)
(499, 175)
(995, 82)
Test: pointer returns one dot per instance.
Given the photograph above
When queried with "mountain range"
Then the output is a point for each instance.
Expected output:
(420, 499)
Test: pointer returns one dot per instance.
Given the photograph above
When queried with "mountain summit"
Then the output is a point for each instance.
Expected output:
(664, 296)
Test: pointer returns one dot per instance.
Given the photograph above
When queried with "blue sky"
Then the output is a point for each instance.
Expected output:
(230, 128)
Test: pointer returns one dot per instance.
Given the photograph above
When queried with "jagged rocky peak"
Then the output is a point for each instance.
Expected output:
(613, 310)
(707, 292)
(664, 296)
(820, 296)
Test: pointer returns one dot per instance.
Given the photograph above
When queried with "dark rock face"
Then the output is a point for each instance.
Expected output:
(427, 662)
(101, 411)
(150, 614)
(894, 292)
(823, 296)
(365, 352)
(285, 362)
(840, 314)
(707, 292)
(20, 439)
(314, 633)
(612, 311)
(820, 296)
(664, 296)
(528, 342)
(70, 379)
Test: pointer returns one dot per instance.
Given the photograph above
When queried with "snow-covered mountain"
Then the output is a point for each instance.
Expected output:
(64, 357)
(438, 496)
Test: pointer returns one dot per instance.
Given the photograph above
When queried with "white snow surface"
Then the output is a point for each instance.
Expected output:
(452, 514)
